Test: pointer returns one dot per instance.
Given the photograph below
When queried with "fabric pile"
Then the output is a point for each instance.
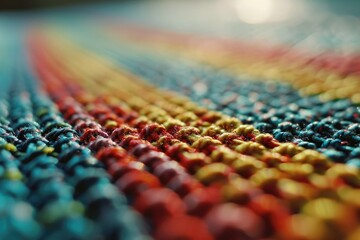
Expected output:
(120, 131)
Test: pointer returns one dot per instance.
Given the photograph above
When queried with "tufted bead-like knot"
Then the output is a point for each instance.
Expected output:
(247, 165)
(113, 154)
(82, 125)
(245, 130)
(211, 116)
(177, 148)
(288, 149)
(204, 143)
(91, 134)
(228, 124)
(227, 138)
(173, 125)
(187, 117)
(192, 161)
(224, 154)
(213, 173)
(267, 179)
(211, 131)
(187, 134)
(349, 175)
(318, 160)
(165, 142)
(121, 132)
(152, 132)
(296, 170)
(267, 140)
(140, 122)
(129, 142)
(250, 148)
(101, 143)
(239, 191)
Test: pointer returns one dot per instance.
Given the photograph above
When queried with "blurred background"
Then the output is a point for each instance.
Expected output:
(31, 4)
(310, 25)
(341, 7)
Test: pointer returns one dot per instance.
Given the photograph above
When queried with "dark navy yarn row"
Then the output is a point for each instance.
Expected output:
(330, 127)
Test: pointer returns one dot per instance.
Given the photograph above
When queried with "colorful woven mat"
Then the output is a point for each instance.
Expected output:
(124, 129)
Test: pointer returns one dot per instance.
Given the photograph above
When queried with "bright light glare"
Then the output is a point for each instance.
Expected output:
(254, 11)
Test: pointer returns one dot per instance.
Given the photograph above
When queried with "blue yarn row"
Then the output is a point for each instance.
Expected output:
(51, 187)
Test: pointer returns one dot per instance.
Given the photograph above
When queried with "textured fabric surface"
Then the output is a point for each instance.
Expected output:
(111, 129)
